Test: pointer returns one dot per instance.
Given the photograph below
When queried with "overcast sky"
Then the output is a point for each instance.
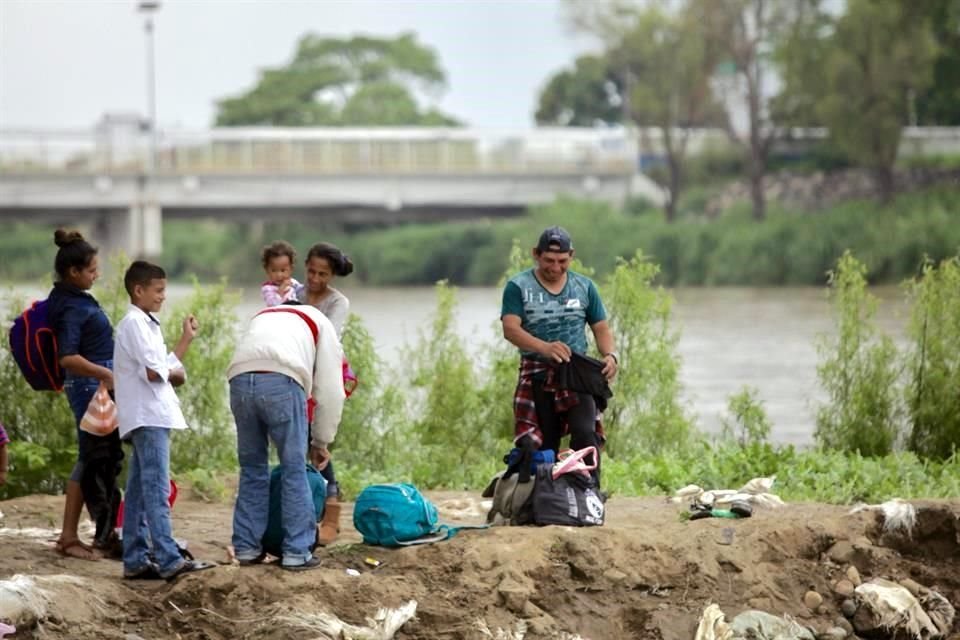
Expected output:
(63, 63)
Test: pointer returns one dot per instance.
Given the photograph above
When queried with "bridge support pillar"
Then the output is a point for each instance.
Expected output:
(151, 226)
(137, 231)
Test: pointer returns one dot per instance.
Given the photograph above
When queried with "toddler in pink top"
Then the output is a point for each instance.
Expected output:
(281, 286)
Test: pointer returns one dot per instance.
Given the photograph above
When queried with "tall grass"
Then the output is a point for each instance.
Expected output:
(858, 371)
(816, 474)
(646, 413)
(933, 390)
(747, 422)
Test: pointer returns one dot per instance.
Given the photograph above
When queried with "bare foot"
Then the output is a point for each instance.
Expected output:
(76, 549)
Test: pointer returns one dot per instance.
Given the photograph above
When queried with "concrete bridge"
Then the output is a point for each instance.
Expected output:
(113, 179)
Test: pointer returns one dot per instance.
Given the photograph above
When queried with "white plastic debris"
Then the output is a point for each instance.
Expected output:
(761, 625)
(517, 633)
(770, 500)
(899, 516)
(759, 485)
(383, 626)
(712, 625)
(25, 598)
(722, 502)
(756, 492)
(939, 609)
(689, 491)
(893, 608)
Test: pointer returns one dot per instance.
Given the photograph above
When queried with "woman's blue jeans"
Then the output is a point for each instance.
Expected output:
(271, 407)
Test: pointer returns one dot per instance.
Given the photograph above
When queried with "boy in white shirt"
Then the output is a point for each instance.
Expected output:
(147, 409)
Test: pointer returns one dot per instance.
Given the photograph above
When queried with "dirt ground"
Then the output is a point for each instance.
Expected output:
(646, 574)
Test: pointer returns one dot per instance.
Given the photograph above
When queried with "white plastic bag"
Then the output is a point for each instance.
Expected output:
(100, 418)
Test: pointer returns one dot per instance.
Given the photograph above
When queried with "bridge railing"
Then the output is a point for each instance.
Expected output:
(320, 151)
(123, 147)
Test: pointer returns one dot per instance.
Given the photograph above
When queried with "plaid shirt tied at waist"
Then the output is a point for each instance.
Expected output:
(525, 408)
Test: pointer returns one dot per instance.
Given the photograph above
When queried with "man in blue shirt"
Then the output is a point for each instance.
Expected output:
(545, 313)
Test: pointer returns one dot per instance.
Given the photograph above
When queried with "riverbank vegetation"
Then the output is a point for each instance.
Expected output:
(445, 419)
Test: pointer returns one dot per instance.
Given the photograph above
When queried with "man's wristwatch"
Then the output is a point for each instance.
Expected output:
(616, 358)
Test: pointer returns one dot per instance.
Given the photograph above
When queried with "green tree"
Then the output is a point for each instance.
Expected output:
(940, 103)
(742, 35)
(799, 58)
(660, 69)
(584, 96)
(343, 81)
(666, 75)
(879, 55)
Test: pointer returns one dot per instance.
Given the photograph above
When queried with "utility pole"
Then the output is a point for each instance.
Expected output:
(148, 229)
(147, 8)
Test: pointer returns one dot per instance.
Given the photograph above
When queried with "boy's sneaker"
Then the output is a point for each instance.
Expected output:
(188, 566)
(312, 563)
(150, 571)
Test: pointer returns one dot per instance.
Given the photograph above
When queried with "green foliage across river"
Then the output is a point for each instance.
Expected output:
(788, 248)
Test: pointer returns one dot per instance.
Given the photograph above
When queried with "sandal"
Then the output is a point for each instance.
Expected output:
(248, 562)
(188, 566)
(76, 549)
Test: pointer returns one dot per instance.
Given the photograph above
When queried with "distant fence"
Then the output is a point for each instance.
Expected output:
(124, 148)
(321, 151)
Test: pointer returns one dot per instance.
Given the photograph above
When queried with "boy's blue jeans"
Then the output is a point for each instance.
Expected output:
(271, 406)
(146, 517)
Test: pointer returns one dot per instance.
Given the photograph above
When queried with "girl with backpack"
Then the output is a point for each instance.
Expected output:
(85, 351)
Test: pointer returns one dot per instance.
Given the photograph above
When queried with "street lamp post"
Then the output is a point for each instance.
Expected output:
(147, 8)
(147, 224)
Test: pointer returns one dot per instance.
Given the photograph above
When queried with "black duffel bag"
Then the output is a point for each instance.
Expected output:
(571, 499)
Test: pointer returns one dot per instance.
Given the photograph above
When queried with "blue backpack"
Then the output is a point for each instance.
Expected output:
(33, 344)
(395, 515)
(543, 456)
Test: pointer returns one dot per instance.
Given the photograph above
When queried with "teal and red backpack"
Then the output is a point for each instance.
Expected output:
(397, 514)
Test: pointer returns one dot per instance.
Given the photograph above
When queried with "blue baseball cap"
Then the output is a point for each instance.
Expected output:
(555, 239)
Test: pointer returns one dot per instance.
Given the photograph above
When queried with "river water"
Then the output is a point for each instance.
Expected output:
(729, 338)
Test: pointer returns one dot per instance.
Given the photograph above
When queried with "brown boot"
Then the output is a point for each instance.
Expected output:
(330, 525)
